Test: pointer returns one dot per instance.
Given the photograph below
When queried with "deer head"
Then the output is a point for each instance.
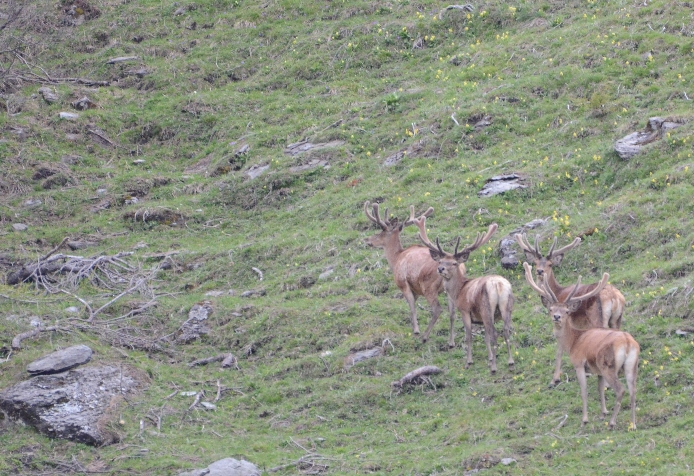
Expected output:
(544, 264)
(560, 311)
(449, 262)
(390, 229)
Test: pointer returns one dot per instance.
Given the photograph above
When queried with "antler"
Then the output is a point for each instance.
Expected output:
(544, 291)
(376, 218)
(421, 224)
(414, 220)
(522, 240)
(590, 294)
(563, 250)
(481, 240)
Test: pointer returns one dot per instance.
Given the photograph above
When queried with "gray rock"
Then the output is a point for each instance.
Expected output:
(70, 116)
(630, 145)
(195, 326)
(61, 360)
(48, 95)
(507, 461)
(32, 203)
(75, 405)
(501, 184)
(20, 227)
(226, 467)
(72, 310)
(256, 171)
(326, 274)
(71, 159)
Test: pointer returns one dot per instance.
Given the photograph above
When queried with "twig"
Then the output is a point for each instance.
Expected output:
(86, 304)
(219, 392)
(260, 273)
(93, 314)
(454, 119)
(55, 249)
(198, 397)
(562, 422)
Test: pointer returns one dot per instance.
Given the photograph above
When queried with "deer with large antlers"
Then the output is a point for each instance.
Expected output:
(604, 352)
(480, 300)
(602, 310)
(413, 269)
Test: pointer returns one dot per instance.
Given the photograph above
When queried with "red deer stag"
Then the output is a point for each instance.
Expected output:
(413, 269)
(478, 299)
(603, 310)
(603, 351)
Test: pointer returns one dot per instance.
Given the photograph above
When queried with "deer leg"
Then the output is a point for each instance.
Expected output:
(410, 298)
(451, 311)
(435, 313)
(507, 338)
(490, 340)
(581, 376)
(619, 393)
(601, 391)
(467, 322)
(630, 372)
(556, 378)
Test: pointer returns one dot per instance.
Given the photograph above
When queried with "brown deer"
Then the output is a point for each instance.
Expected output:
(413, 269)
(603, 351)
(478, 299)
(603, 310)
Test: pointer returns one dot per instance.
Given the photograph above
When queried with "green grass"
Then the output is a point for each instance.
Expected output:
(553, 80)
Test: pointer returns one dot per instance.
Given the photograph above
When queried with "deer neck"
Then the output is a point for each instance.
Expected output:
(456, 282)
(569, 334)
(393, 248)
(553, 283)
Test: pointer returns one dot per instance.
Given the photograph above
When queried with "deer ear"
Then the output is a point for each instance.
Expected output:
(529, 256)
(573, 306)
(545, 302)
(401, 226)
(435, 255)
(462, 258)
(556, 259)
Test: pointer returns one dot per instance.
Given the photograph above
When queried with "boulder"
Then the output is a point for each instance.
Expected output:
(61, 360)
(226, 467)
(630, 145)
(76, 405)
(501, 184)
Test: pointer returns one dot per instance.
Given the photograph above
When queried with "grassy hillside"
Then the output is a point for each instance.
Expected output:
(538, 88)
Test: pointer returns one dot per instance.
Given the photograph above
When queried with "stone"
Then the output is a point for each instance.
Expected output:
(195, 326)
(72, 310)
(630, 145)
(226, 467)
(71, 159)
(256, 171)
(69, 116)
(501, 184)
(83, 103)
(326, 274)
(76, 405)
(48, 95)
(61, 360)
(507, 461)
(32, 203)
(20, 227)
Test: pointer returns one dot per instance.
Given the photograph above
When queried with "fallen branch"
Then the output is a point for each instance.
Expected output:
(260, 273)
(230, 360)
(17, 341)
(198, 397)
(417, 376)
(208, 360)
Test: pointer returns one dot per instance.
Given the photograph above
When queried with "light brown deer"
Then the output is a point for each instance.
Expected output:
(413, 269)
(603, 310)
(603, 351)
(480, 300)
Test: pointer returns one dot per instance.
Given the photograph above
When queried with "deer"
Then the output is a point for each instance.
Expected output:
(413, 269)
(603, 351)
(602, 310)
(482, 300)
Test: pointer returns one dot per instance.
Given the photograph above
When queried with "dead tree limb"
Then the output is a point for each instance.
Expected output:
(417, 376)
(208, 360)
(230, 361)
(17, 341)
